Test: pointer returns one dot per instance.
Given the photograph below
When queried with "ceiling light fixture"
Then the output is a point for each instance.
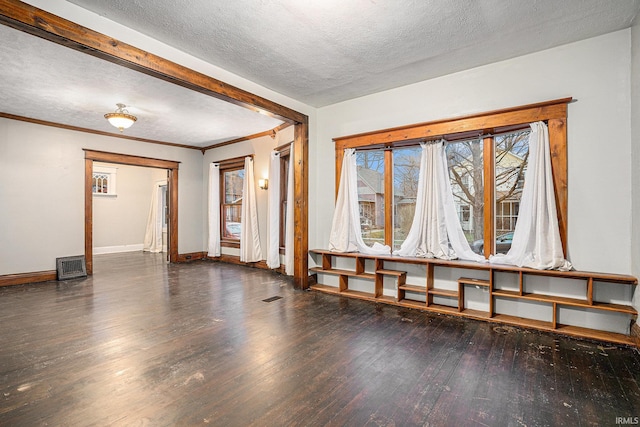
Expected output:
(121, 118)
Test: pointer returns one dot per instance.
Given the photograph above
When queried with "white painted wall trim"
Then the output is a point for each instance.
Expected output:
(116, 249)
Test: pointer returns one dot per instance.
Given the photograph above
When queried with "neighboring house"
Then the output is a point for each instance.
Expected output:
(371, 197)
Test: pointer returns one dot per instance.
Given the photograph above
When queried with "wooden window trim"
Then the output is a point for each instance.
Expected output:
(228, 165)
(285, 151)
(493, 122)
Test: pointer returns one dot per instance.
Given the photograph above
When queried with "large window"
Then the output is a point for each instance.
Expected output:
(231, 184)
(487, 156)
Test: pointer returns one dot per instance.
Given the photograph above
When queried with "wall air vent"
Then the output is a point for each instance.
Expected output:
(71, 267)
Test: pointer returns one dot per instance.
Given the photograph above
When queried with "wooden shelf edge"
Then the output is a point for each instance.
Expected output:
(420, 305)
(568, 302)
(443, 292)
(574, 274)
(522, 322)
(413, 288)
(473, 282)
(476, 313)
(391, 272)
(325, 288)
(339, 272)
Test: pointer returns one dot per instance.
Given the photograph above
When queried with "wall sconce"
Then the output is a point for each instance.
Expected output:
(263, 183)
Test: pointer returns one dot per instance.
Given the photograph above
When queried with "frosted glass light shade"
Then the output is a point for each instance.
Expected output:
(121, 118)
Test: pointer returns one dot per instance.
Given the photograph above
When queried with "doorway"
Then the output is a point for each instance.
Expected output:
(171, 197)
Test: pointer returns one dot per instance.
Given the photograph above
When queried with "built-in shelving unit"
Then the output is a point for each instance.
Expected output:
(429, 296)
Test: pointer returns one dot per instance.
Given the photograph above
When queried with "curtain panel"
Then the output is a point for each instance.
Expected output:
(345, 233)
(436, 231)
(153, 232)
(536, 239)
(213, 207)
(250, 250)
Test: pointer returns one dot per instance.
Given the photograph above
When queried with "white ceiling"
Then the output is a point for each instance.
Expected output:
(316, 51)
(325, 51)
(42, 80)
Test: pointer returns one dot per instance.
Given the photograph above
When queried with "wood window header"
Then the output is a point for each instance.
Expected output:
(233, 163)
(488, 122)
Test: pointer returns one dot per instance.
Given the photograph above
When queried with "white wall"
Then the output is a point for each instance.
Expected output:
(596, 72)
(635, 152)
(119, 222)
(42, 192)
(261, 149)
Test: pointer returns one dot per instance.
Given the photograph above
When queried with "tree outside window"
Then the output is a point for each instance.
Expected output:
(406, 171)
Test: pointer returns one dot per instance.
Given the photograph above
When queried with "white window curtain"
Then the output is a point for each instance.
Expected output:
(153, 232)
(536, 238)
(435, 231)
(345, 233)
(289, 229)
(250, 250)
(213, 245)
(273, 251)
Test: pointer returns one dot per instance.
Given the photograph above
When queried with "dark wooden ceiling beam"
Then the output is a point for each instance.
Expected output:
(43, 24)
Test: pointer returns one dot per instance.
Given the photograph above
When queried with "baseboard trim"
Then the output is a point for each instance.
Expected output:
(25, 278)
(191, 256)
(45, 276)
(118, 249)
(234, 259)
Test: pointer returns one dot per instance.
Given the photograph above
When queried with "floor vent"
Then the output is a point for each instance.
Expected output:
(71, 267)
(272, 299)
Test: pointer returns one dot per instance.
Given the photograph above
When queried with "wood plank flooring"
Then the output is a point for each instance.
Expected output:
(142, 343)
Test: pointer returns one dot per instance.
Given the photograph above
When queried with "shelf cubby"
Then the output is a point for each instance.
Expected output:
(516, 296)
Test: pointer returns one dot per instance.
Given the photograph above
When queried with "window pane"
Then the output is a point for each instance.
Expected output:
(284, 186)
(232, 205)
(406, 169)
(512, 153)
(466, 172)
(233, 181)
(371, 195)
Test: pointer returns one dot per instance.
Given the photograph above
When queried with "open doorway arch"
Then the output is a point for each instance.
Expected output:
(172, 200)
(32, 20)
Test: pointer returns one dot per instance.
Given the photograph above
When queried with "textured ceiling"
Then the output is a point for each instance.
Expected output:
(316, 51)
(325, 51)
(42, 80)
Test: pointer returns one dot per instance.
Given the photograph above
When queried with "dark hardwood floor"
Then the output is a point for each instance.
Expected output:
(142, 343)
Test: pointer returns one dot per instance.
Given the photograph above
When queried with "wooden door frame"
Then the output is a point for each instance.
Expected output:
(32, 20)
(91, 156)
